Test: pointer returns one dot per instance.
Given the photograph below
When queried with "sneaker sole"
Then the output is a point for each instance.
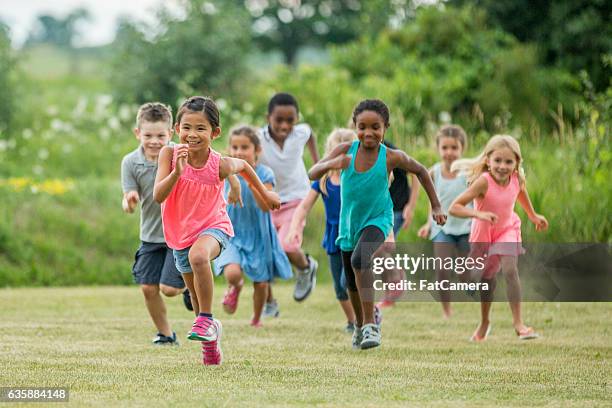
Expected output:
(196, 337)
(369, 344)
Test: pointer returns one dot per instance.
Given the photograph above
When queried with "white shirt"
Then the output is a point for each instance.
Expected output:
(291, 179)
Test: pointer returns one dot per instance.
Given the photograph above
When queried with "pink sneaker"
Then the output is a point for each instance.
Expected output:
(230, 300)
(256, 323)
(211, 350)
(203, 329)
(385, 303)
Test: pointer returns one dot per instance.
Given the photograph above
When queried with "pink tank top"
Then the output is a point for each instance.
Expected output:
(499, 200)
(195, 204)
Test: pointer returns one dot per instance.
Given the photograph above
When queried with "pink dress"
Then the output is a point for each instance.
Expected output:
(503, 237)
(195, 204)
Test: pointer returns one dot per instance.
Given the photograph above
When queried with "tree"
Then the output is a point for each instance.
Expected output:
(287, 25)
(202, 52)
(61, 32)
(574, 34)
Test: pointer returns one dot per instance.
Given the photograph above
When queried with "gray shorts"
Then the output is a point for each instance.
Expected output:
(154, 264)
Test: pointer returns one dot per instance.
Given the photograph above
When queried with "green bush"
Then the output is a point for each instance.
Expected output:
(7, 85)
(203, 53)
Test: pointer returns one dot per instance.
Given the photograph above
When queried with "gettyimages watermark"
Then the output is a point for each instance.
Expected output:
(567, 272)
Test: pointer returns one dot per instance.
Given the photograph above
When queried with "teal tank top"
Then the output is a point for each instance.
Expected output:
(365, 199)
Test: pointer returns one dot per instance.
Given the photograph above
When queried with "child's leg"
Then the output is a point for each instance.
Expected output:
(260, 292)
(157, 308)
(269, 296)
(188, 278)
(443, 250)
(233, 274)
(335, 266)
(370, 240)
(351, 287)
(513, 290)
(205, 249)
(486, 298)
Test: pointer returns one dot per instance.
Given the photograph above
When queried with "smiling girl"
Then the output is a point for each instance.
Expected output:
(497, 182)
(366, 213)
(189, 186)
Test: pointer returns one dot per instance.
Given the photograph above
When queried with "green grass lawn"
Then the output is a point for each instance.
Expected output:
(96, 341)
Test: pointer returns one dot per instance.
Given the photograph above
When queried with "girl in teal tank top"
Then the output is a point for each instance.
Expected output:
(366, 203)
(366, 212)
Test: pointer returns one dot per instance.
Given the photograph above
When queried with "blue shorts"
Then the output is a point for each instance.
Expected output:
(153, 265)
(462, 242)
(181, 256)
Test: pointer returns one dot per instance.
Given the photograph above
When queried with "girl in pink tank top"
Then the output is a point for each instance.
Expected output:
(496, 183)
(189, 186)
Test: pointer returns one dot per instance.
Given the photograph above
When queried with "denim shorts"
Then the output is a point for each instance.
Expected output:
(181, 256)
(462, 242)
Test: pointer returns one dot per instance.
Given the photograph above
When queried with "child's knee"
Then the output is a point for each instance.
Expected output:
(169, 291)
(199, 259)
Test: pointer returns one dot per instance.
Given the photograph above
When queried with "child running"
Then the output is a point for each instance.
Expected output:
(452, 239)
(189, 185)
(255, 248)
(366, 214)
(329, 188)
(496, 182)
(283, 141)
(153, 268)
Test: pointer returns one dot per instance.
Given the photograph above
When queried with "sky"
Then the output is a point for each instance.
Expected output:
(20, 15)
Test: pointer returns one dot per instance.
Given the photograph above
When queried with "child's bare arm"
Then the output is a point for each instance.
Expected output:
(165, 179)
(260, 200)
(312, 147)
(299, 216)
(540, 222)
(397, 158)
(235, 194)
(459, 207)
(425, 229)
(230, 165)
(408, 211)
(336, 159)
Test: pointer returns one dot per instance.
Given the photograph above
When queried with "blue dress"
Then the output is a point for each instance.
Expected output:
(255, 245)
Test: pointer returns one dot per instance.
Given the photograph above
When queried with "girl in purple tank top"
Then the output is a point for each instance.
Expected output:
(189, 186)
(496, 182)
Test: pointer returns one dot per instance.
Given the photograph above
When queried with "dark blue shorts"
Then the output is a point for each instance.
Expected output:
(154, 264)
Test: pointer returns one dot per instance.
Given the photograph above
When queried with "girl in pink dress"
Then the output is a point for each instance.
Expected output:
(189, 186)
(496, 181)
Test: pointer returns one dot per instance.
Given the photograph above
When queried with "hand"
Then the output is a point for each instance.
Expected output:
(438, 216)
(234, 197)
(273, 200)
(424, 231)
(294, 237)
(540, 222)
(130, 201)
(340, 162)
(486, 216)
(182, 155)
(407, 214)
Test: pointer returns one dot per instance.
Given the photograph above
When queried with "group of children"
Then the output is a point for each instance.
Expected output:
(253, 224)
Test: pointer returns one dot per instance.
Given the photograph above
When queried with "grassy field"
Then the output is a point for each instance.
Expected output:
(95, 340)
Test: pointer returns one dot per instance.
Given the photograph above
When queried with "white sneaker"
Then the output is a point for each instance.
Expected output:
(306, 280)
(371, 336)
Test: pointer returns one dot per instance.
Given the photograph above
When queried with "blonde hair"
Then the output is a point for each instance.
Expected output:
(337, 136)
(478, 165)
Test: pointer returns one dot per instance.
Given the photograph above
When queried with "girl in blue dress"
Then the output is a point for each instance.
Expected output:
(255, 249)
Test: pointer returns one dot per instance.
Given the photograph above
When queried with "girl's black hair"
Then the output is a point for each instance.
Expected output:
(282, 98)
(374, 105)
(202, 104)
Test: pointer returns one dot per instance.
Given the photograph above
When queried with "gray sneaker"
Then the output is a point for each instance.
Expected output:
(371, 336)
(357, 337)
(306, 280)
(271, 309)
